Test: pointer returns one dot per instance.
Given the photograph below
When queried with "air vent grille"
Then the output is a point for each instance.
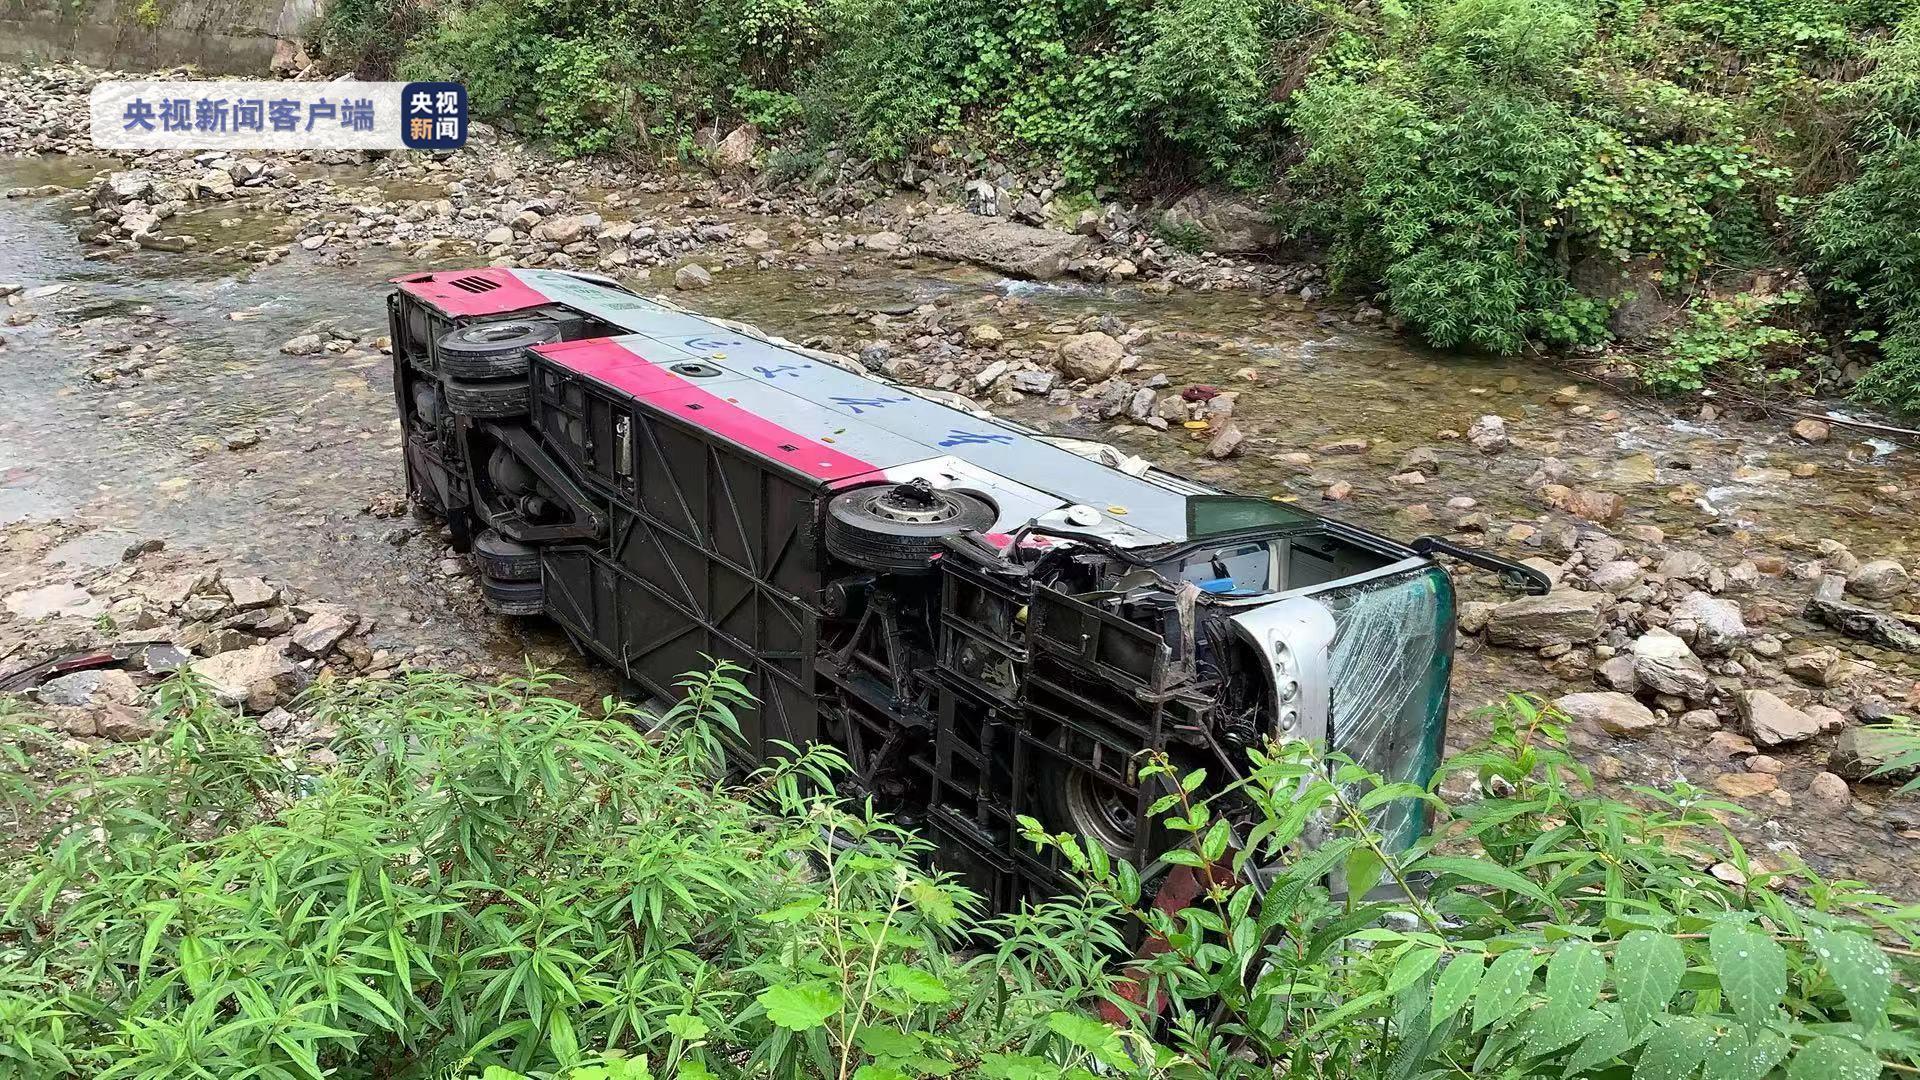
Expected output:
(474, 284)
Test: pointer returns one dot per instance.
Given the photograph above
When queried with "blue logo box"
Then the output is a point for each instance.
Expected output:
(433, 115)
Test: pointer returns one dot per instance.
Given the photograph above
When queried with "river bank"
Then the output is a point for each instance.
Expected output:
(196, 352)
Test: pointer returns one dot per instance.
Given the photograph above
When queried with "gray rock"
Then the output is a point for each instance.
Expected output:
(1861, 751)
(248, 593)
(1864, 623)
(1562, 617)
(566, 228)
(692, 276)
(323, 631)
(1772, 722)
(1881, 579)
(1093, 357)
(1488, 434)
(304, 345)
(1713, 627)
(1688, 566)
(257, 678)
(1617, 672)
(1829, 792)
(1616, 576)
(1228, 224)
(1663, 663)
(95, 687)
(1018, 250)
(1033, 382)
(1614, 713)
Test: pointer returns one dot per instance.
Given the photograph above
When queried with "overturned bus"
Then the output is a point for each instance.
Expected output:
(989, 622)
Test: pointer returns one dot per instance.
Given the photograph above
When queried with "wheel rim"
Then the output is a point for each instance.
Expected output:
(1102, 813)
(915, 503)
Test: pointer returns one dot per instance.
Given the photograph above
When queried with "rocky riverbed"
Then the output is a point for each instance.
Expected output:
(195, 352)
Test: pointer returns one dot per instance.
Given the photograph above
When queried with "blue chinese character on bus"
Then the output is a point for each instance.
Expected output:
(433, 116)
(860, 405)
(956, 437)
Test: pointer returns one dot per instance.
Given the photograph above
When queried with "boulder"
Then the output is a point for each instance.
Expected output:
(1772, 722)
(1017, 250)
(249, 677)
(1094, 356)
(96, 687)
(1689, 566)
(737, 149)
(1562, 617)
(1663, 663)
(1861, 751)
(125, 723)
(1829, 792)
(1226, 443)
(1488, 434)
(565, 228)
(1813, 431)
(248, 593)
(1226, 224)
(692, 276)
(320, 633)
(1881, 579)
(304, 345)
(1616, 576)
(884, 240)
(1613, 712)
(125, 187)
(1712, 626)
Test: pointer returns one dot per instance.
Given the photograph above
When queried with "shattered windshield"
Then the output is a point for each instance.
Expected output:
(1391, 656)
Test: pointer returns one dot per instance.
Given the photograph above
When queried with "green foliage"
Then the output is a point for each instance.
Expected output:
(1866, 234)
(495, 884)
(1557, 934)
(1728, 338)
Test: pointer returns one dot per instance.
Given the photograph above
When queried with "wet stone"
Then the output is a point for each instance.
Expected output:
(1564, 616)
(1612, 712)
(1773, 722)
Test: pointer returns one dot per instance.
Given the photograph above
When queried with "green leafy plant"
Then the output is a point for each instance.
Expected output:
(1731, 338)
(491, 882)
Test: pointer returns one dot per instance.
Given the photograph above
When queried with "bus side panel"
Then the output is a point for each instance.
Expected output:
(722, 545)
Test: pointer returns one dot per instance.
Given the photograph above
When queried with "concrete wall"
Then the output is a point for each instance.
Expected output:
(228, 37)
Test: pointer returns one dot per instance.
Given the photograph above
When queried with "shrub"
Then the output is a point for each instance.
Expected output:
(1444, 169)
(1732, 338)
(1866, 234)
(494, 883)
